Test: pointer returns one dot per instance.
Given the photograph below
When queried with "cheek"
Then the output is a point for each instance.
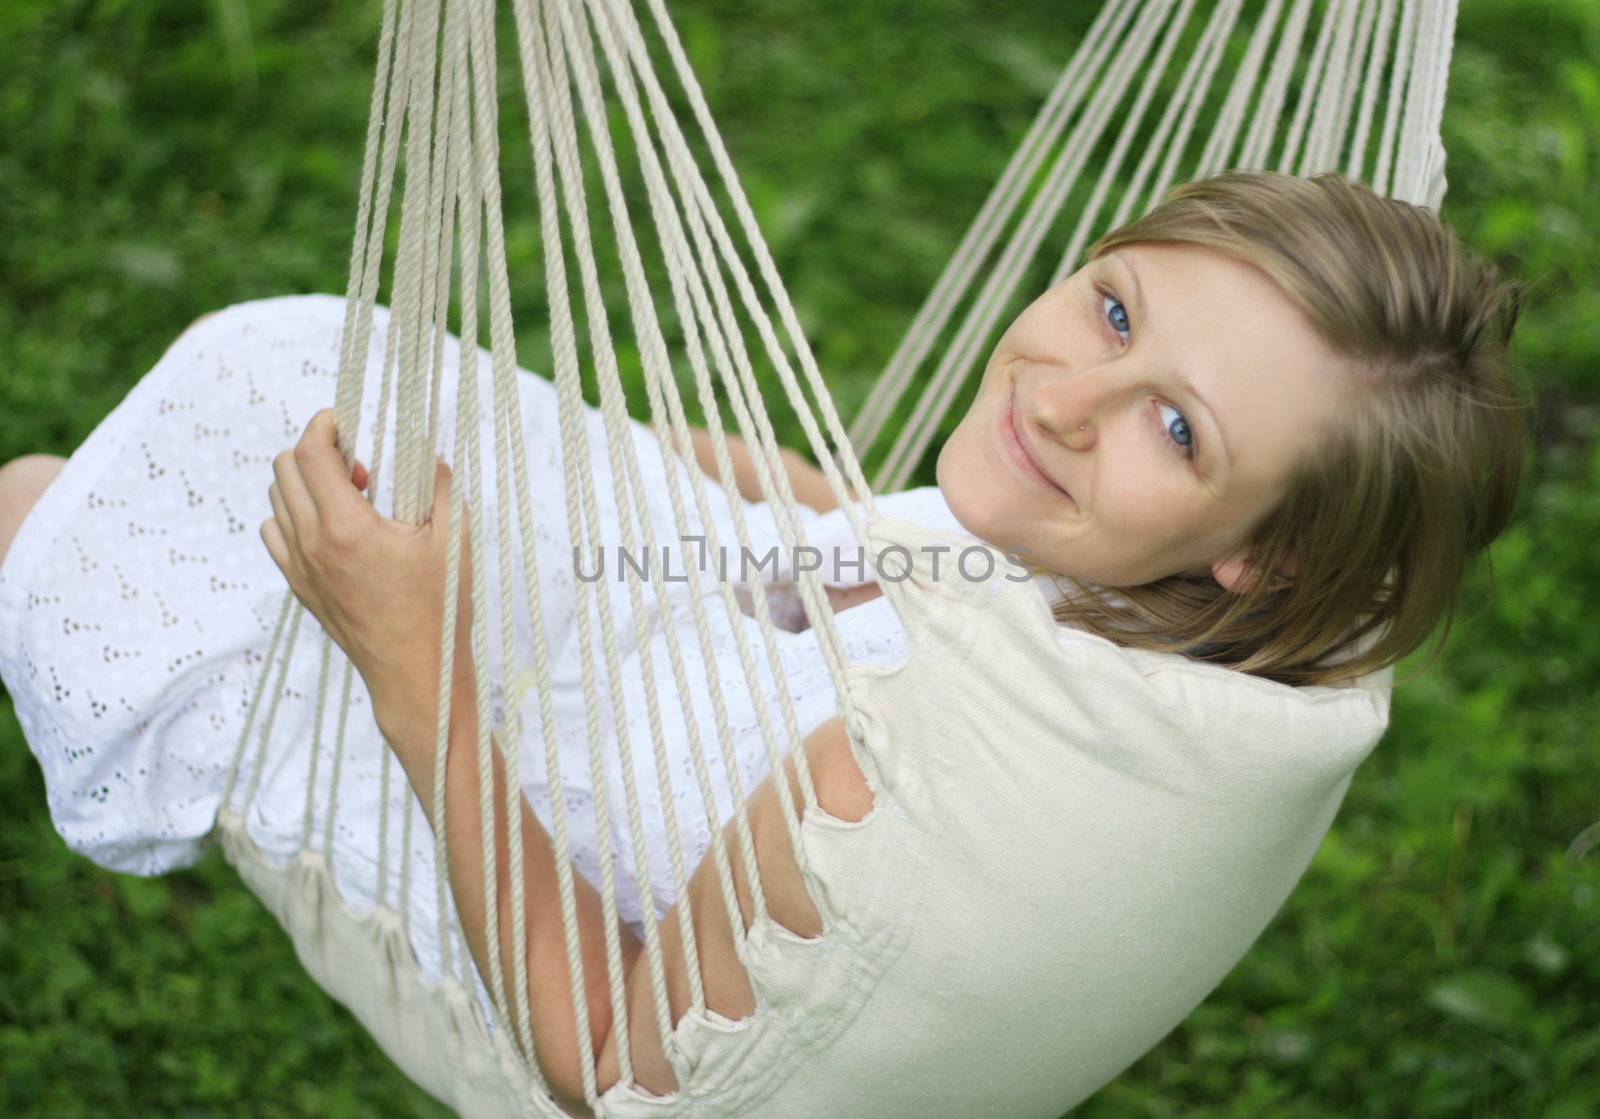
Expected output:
(963, 481)
(1145, 525)
(982, 496)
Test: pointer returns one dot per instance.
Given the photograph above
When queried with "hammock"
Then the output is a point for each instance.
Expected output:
(1366, 99)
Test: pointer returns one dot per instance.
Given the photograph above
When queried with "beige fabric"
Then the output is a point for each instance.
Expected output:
(1072, 844)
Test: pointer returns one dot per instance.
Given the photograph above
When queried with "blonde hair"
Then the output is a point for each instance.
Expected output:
(1378, 524)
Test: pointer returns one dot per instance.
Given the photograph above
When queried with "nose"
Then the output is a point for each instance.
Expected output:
(1071, 403)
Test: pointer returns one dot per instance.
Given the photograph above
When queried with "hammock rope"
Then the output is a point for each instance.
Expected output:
(435, 94)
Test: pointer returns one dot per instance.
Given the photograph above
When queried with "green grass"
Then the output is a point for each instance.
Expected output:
(162, 159)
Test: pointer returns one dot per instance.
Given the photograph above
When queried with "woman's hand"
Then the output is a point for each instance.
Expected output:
(375, 584)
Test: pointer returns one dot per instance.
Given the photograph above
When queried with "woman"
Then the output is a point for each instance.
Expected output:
(1265, 426)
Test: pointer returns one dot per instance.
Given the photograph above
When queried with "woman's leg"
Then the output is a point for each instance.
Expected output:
(22, 480)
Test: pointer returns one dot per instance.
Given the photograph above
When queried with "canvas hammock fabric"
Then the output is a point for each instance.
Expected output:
(1350, 85)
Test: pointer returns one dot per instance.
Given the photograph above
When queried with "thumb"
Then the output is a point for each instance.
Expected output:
(441, 491)
(442, 475)
(441, 525)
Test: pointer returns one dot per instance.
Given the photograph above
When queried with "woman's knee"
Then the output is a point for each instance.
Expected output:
(22, 482)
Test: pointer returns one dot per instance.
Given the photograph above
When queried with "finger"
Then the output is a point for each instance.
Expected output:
(283, 556)
(440, 518)
(280, 514)
(327, 477)
(439, 522)
(441, 492)
(295, 505)
(272, 537)
(358, 475)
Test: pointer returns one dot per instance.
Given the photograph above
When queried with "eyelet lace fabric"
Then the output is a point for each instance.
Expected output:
(137, 605)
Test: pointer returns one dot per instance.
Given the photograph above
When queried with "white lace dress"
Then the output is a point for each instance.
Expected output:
(137, 605)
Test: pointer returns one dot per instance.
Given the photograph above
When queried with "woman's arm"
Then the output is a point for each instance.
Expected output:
(810, 484)
(409, 729)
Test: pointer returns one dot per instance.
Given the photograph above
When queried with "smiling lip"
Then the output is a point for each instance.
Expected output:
(1019, 452)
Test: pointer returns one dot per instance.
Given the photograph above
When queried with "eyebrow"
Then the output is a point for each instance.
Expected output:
(1184, 382)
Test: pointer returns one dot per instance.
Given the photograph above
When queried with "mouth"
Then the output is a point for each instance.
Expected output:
(1020, 454)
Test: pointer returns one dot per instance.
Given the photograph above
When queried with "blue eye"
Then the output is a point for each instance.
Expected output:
(1177, 429)
(1117, 315)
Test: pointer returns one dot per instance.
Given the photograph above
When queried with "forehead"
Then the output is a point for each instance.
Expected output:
(1250, 352)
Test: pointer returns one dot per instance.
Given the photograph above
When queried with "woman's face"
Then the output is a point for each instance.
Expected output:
(1141, 417)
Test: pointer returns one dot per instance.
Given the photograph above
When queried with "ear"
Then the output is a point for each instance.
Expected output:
(1233, 570)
